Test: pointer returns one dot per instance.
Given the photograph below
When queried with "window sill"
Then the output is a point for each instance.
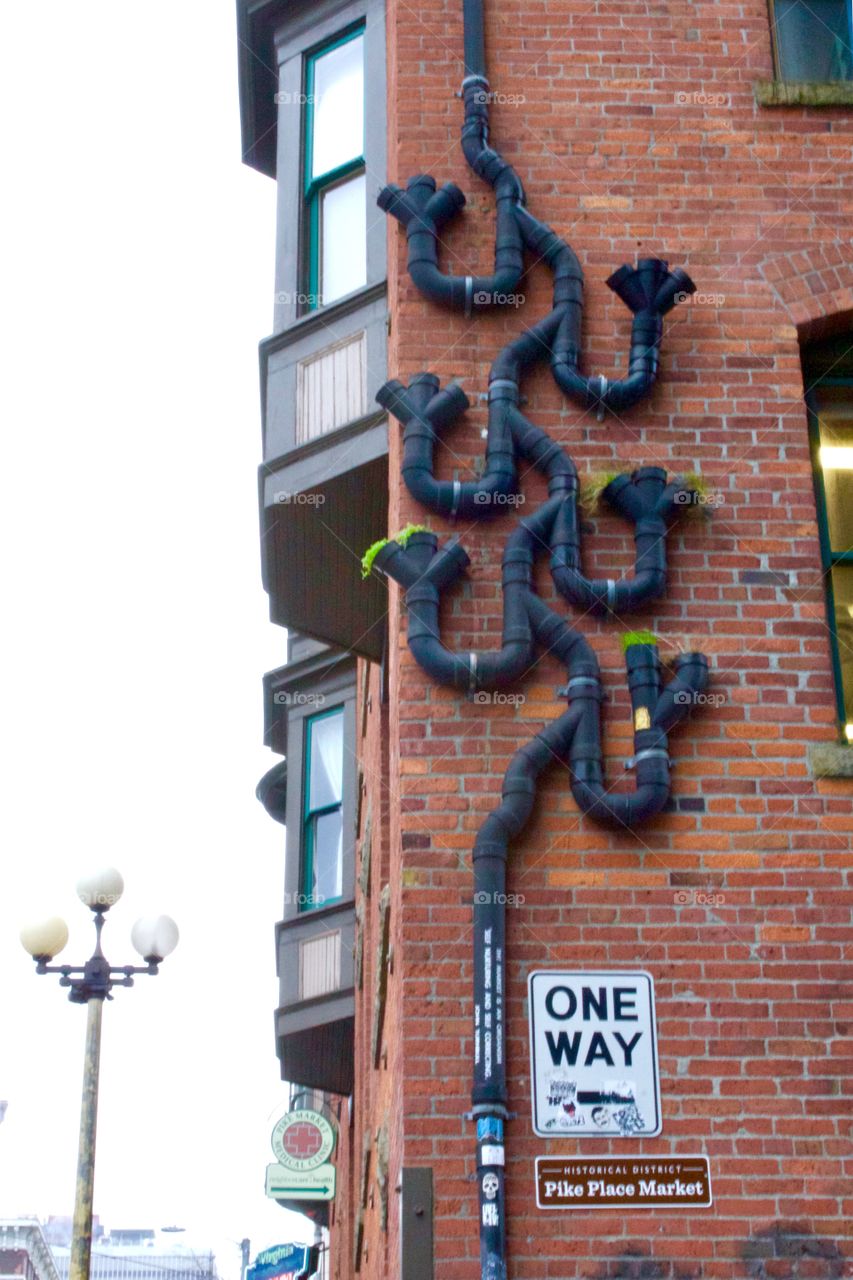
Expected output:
(830, 760)
(803, 93)
(324, 318)
(343, 906)
(326, 440)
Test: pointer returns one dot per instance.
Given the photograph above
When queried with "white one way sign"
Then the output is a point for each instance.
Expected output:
(593, 1054)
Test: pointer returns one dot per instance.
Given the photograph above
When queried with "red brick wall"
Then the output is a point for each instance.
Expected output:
(639, 135)
(372, 1132)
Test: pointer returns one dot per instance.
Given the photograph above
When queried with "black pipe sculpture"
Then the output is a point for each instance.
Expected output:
(646, 498)
(649, 290)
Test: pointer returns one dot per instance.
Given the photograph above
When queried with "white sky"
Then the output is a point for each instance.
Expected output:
(137, 279)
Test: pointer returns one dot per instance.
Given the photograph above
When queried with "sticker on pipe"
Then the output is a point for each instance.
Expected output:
(593, 1054)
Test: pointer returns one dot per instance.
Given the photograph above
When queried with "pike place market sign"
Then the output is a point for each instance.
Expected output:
(645, 1182)
(593, 1054)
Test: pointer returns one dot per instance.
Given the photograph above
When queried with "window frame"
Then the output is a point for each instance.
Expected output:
(306, 872)
(829, 558)
(313, 189)
(778, 65)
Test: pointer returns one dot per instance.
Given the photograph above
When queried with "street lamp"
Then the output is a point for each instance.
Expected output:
(154, 937)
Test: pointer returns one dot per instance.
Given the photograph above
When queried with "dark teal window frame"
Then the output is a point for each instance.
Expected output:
(830, 558)
(839, 57)
(315, 188)
(306, 902)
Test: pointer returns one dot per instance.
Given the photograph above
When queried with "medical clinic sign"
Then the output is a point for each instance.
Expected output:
(593, 1054)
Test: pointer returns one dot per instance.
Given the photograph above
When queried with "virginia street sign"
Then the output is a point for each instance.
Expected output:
(644, 1183)
(593, 1054)
(294, 1184)
(283, 1261)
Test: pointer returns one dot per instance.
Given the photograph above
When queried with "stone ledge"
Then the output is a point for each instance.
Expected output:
(802, 93)
(830, 760)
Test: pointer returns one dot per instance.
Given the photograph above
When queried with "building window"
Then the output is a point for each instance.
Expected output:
(334, 177)
(813, 39)
(322, 847)
(331, 388)
(830, 402)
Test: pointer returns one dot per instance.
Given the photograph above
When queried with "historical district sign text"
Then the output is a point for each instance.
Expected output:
(644, 1182)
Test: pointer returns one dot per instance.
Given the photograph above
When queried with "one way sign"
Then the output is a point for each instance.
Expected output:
(593, 1054)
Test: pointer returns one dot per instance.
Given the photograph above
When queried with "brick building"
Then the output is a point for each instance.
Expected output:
(717, 137)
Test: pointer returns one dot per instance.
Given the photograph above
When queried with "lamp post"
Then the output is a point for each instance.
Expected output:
(154, 938)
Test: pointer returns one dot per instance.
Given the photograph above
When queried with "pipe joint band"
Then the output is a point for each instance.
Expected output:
(651, 753)
(472, 674)
(504, 385)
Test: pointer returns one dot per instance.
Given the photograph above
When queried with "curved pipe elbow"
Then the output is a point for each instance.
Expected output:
(633, 593)
(505, 666)
(572, 383)
(440, 664)
(465, 293)
(625, 393)
(461, 499)
(608, 595)
(447, 291)
(584, 593)
(621, 811)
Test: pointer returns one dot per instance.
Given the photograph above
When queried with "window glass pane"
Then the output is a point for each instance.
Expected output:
(835, 424)
(814, 39)
(326, 766)
(328, 839)
(338, 107)
(343, 239)
(842, 591)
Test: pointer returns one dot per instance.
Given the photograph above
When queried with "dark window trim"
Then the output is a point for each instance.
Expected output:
(315, 188)
(829, 558)
(331, 674)
(311, 28)
(309, 814)
(803, 92)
